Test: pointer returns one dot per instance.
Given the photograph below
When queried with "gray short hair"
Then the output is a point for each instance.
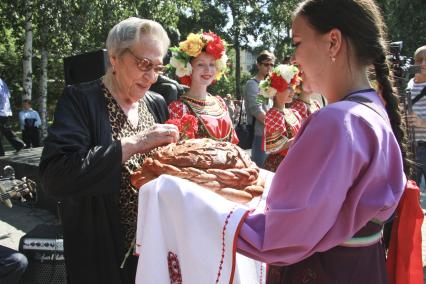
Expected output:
(128, 32)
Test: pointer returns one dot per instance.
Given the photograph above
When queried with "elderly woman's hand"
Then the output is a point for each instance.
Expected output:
(157, 135)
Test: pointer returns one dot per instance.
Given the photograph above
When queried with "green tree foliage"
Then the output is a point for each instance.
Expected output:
(208, 18)
(66, 28)
(276, 32)
(406, 22)
(247, 19)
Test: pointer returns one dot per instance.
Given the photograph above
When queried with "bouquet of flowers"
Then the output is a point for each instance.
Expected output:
(282, 77)
(208, 42)
(187, 125)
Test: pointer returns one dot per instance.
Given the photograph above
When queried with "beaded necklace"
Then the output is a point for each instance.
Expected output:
(211, 107)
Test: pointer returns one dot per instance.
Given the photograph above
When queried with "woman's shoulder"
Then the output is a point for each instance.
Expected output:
(92, 90)
(345, 115)
(338, 110)
(298, 104)
(274, 113)
(155, 97)
(86, 87)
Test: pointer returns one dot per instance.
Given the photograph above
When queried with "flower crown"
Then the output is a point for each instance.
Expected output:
(194, 44)
(282, 77)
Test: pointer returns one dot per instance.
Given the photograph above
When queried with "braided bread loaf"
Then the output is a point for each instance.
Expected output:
(219, 166)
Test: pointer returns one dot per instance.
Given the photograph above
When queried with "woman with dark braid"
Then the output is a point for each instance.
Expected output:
(344, 174)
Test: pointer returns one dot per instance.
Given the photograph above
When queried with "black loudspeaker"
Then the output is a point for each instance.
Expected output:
(44, 249)
(85, 67)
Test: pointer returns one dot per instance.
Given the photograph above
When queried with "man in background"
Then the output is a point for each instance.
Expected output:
(255, 110)
(5, 114)
(29, 121)
(417, 118)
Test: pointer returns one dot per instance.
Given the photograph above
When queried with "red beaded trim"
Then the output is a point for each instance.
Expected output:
(223, 243)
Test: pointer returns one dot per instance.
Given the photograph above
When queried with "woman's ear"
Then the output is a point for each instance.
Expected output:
(335, 42)
(113, 60)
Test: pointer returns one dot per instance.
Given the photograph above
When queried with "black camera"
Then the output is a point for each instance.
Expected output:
(401, 66)
(395, 48)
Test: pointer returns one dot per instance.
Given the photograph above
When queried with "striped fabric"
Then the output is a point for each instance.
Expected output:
(419, 108)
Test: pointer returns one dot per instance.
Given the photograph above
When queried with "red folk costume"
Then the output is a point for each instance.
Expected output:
(212, 115)
(280, 126)
(304, 108)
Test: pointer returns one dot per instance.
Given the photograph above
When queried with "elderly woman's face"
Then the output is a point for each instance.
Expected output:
(138, 67)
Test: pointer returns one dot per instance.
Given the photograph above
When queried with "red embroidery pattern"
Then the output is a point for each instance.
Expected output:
(223, 243)
(299, 106)
(174, 269)
(275, 122)
(279, 127)
(305, 109)
(176, 110)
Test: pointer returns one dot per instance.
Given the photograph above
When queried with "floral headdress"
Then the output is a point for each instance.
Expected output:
(194, 44)
(282, 77)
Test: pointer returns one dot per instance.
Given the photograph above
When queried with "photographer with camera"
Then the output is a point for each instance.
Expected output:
(417, 119)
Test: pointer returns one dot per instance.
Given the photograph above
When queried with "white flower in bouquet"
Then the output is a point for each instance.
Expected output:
(207, 37)
(182, 68)
(287, 71)
(266, 90)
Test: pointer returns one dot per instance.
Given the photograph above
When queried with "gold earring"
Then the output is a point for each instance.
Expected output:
(333, 59)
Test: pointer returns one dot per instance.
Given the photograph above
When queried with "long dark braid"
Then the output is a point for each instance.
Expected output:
(393, 109)
(361, 22)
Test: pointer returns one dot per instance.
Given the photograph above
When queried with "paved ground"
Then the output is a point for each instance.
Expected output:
(22, 218)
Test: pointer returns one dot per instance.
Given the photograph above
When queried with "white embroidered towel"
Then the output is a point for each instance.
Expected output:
(186, 234)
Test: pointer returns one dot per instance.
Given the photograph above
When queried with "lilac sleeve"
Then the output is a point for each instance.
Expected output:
(340, 173)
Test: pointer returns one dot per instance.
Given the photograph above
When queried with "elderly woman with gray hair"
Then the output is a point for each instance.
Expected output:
(103, 130)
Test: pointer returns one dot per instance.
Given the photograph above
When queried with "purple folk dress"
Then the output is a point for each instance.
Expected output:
(343, 175)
